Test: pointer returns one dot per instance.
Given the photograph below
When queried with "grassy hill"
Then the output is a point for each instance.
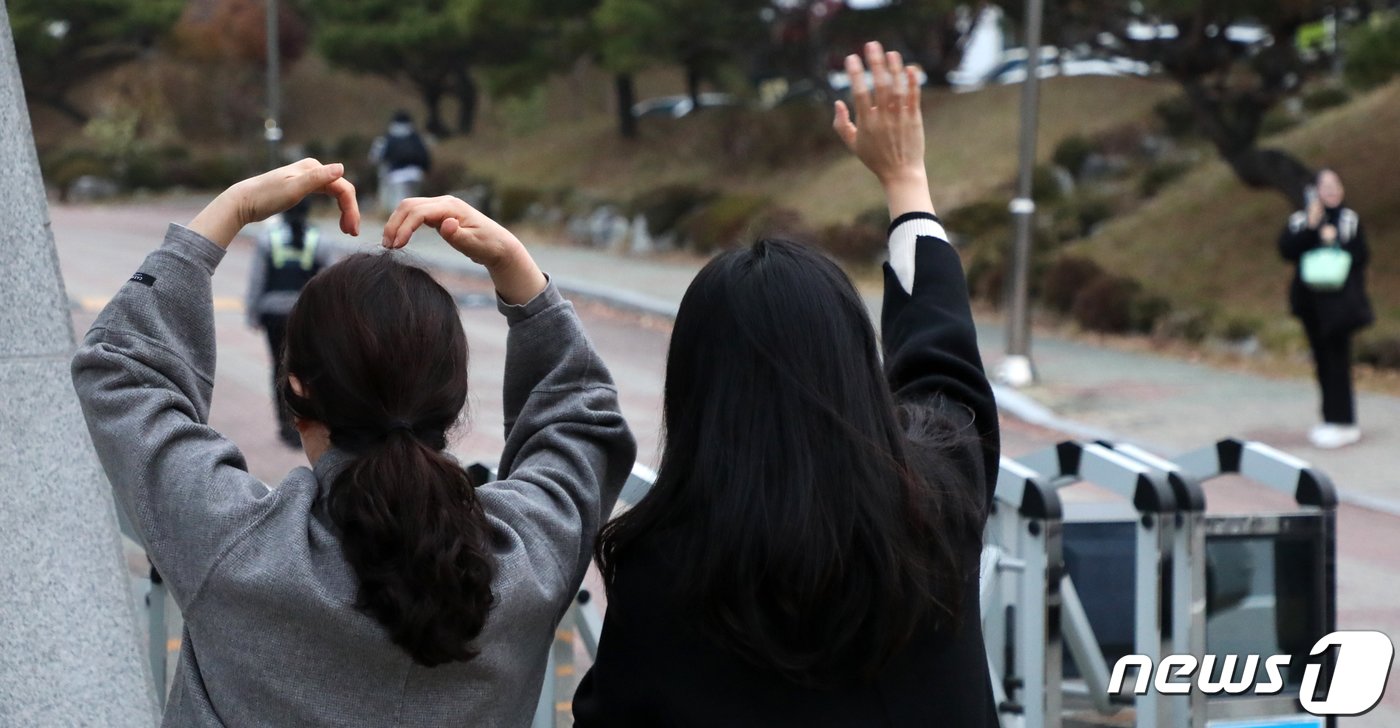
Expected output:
(972, 146)
(1208, 241)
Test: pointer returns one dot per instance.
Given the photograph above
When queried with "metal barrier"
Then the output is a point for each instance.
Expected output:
(1020, 590)
(1032, 611)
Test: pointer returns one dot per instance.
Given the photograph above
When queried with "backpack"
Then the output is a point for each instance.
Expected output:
(407, 150)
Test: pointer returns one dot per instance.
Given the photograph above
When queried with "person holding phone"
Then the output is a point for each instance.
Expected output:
(1327, 244)
(808, 554)
(380, 586)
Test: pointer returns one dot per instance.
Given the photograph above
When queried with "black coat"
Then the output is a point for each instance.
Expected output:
(654, 667)
(1328, 313)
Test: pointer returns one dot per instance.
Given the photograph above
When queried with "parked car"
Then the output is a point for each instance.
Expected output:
(675, 107)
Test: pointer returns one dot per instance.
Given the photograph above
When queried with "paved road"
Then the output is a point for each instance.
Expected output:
(1143, 397)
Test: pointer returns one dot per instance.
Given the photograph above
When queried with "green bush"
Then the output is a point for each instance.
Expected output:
(1277, 121)
(1381, 351)
(1235, 329)
(1177, 116)
(62, 168)
(986, 276)
(855, 243)
(1105, 304)
(1072, 151)
(1078, 216)
(1160, 175)
(978, 220)
(1191, 326)
(1064, 279)
(512, 203)
(1373, 51)
(445, 176)
(1146, 311)
(1326, 97)
(773, 138)
(723, 222)
(1045, 187)
(665, 206)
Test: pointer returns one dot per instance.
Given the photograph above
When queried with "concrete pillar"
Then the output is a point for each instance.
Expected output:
(68, 642)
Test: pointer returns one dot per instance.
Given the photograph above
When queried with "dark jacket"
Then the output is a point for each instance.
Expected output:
(654, 668)
(1329, 313)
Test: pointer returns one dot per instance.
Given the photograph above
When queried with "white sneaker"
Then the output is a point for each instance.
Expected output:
(1331, 437)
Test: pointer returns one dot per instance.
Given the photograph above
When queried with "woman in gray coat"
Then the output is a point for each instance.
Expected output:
(379, 586)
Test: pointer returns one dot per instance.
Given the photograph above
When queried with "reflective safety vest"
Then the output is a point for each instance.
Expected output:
(284, 254)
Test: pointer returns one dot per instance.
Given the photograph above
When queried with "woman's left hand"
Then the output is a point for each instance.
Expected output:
(258, 198)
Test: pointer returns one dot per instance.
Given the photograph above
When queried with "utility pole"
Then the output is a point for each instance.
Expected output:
(272, 131)
(1016, 369)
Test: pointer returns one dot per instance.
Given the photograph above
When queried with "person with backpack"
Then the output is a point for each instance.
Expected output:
(382, 585)
(287, 256)
(1327, 244)
(808, 555)
(403, 160)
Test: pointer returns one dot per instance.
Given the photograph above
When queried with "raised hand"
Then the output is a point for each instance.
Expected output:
(476, 236)
(258, 198)
(890, 137)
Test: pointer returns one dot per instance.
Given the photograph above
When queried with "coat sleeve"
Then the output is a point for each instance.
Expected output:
(1297, 238)
(568, 450)
(144, 376)
(930, 341)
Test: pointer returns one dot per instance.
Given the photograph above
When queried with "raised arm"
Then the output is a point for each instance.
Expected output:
(144, 376)
(568, 451)
(930, 342)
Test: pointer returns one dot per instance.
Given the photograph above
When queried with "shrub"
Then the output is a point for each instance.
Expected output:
(210, 172)
(1381, 351)
(62, 168)
(1239, 328)
(1105, 304)
(1177, 116)
(1146, 311)
(1373, 51)
(445, 176)
(1078, 217)
(1192, 326)
(986, 277)
(1161, 174)
(1277, 121)
(1071, 153)
(1325, 98)
(773, 138)
(1065, 278)
(1045, 185)
(665, 206)
(512, 203)
(723, 222)
(856, 243)
(978, 220)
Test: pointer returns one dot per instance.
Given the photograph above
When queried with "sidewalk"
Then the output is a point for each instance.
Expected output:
(1161, 403)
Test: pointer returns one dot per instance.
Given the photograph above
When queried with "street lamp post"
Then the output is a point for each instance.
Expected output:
(272, 131)
(1016, 369)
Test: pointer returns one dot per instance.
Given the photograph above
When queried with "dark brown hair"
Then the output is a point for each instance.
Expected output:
(379, 350)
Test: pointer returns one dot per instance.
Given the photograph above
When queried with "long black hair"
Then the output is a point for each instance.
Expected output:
(379, 350)
(812, 536)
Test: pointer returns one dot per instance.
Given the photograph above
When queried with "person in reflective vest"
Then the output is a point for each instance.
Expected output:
(287, 256)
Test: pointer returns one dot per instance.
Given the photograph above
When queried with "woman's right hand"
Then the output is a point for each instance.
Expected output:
(476, 236)
(890, 137)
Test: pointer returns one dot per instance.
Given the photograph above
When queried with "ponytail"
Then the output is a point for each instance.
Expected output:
(416, 536)
(375, 341)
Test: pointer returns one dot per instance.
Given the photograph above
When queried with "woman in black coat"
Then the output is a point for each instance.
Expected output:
(1330, 316)
(808, 555)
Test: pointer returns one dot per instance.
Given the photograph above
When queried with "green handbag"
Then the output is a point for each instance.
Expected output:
(1325, 269)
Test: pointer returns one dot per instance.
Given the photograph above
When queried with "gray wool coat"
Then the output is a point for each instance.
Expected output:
(271, 633)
